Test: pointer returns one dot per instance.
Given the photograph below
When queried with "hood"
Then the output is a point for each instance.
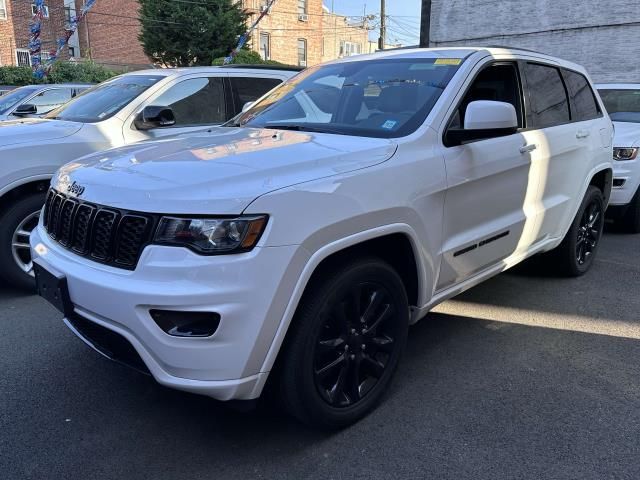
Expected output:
(29, 130)
(220, 171)
(627, 134)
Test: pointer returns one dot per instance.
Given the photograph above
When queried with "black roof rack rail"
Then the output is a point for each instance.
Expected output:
(264, 67)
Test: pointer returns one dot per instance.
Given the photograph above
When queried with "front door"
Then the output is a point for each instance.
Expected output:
(488, 214)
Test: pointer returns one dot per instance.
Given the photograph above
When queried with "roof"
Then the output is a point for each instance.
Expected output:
(166, 72)
(618, 86)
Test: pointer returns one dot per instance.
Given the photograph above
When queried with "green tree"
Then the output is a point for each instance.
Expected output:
(183, 34)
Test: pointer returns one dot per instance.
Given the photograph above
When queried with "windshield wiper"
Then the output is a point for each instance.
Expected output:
(303, 128)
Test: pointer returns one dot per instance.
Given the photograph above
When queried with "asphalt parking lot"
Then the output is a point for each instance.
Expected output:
(523, 377)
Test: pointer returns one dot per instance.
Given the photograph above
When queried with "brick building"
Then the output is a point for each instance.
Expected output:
(109, 35)
(15, 16)
(602, 36)
(304, 32)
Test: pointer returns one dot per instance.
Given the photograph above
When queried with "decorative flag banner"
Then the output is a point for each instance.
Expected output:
(35, 43)
(245, 36)
(42, 69)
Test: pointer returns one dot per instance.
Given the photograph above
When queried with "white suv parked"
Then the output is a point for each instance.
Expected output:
(298, 244)
(622, 101)
(133, 107)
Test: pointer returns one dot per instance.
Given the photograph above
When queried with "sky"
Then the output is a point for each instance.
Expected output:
(403, 26)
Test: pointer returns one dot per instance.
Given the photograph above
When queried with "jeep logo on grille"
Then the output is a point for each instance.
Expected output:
(75, 189)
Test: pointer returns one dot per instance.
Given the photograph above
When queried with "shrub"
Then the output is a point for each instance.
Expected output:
(62, 72)
(248, 57)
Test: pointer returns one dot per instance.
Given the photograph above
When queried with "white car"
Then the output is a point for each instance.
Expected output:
(298, 244)
(133, 107)
(37, 100)
(622, 101)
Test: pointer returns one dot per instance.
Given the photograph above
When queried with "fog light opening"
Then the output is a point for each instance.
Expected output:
(186, 324)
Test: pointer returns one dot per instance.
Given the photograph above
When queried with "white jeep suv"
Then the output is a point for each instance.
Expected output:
(622, 101)
(133, 107)
(298, 244)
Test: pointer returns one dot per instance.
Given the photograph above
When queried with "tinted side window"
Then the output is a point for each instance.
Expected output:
(548, 99)
(583, 101)
(197, 101)
(247, 89)
(497, 82)
(50, 99)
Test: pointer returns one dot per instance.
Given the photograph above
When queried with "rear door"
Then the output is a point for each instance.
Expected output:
(562, 117)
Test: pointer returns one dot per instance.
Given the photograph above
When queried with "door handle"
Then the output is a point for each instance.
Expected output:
(528, 148)
(582, 133)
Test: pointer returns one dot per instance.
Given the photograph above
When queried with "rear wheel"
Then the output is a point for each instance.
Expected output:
(346, 341)
(16, 225)
(577, 251)
(631, 220)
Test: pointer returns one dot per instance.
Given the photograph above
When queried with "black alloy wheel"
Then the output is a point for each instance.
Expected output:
(589, 232)
(356, 343)
(344, 344)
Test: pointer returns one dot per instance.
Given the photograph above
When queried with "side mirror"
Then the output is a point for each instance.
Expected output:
(154, 117)
(484, 119)
(25, 109)
(247, 106)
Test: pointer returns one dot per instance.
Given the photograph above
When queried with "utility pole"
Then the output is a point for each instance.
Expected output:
(425, 24)
(383, 26)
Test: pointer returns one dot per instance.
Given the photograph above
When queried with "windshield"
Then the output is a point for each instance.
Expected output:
(622, 105)
(105, 100)
(10, 100)
(382, 98)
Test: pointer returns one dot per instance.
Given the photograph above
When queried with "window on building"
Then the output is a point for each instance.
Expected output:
(3, 9)
(198, 101)
(302, 52)
(23, 57)
(548, 97)
(265, 46)
(348, 49)
(583, 100)
(67, 15)
(50, 99)
(45, 10)
(302, 7)
(72, 51)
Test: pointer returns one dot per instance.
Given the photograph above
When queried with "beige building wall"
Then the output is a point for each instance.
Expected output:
(303, 33)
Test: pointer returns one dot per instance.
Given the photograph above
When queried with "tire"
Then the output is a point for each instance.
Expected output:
(575, 255)
(25, 209)
(337, 364)
(630, 222)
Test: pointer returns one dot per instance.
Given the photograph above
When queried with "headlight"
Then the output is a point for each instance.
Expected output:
(625, 153)
(211, 236)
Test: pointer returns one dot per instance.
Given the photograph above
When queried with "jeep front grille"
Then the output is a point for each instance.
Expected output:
(107, 235)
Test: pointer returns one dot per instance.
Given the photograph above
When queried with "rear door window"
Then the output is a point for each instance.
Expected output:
(549, 105)
(583, 100)
(249, 89)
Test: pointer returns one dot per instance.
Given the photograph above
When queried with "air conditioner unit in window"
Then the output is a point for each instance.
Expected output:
(303, 17)
(302, 63)
(264, 8)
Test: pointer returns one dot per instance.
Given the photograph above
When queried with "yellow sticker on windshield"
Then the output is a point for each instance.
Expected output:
(448, 61)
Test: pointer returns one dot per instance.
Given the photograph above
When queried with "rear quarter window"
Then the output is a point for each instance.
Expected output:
(583, 100)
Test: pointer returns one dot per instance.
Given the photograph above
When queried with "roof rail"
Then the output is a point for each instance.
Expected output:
(515, 48)
(262, 66)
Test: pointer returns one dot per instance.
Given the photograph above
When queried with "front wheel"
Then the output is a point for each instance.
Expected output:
(16, 225)
(345, 343)
(577, 251)
(631, 220)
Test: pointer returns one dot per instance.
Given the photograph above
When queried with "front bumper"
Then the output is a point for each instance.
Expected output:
(627, 173)
(250, 291)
